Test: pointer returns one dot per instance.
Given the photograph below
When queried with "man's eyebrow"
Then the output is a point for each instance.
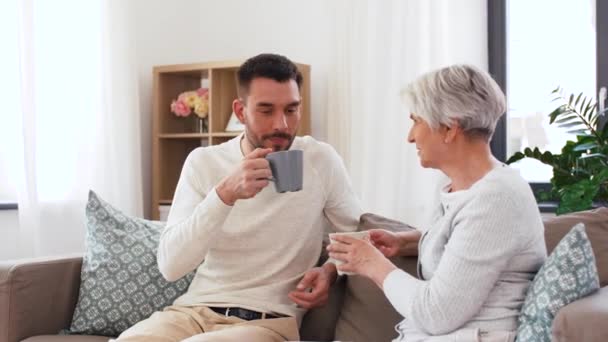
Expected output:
(264, 104)
(268, 104)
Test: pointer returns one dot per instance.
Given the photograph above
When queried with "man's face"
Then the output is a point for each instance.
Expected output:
(270, 113)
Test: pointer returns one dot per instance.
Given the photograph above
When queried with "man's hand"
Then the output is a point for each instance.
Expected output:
(313, 289)
(248, 179)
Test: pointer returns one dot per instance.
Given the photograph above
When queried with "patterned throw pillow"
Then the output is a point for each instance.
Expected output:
(568, 274)
(120, 281)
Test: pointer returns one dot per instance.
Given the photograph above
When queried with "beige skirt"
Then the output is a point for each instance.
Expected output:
(463, 335)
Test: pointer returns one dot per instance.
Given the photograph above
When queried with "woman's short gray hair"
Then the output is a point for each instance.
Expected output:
(459, 93)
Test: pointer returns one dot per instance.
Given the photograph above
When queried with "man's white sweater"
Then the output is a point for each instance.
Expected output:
(254, 253)
(476, 261)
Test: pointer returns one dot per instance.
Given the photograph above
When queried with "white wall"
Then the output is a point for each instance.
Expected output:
(9, 234)
(189, 31)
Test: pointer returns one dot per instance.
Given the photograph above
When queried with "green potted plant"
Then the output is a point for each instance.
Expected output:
(580, 171)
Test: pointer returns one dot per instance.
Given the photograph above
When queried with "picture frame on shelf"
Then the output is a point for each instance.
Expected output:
(234, 125)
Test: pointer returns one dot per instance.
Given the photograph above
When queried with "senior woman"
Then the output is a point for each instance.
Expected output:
(486, 242)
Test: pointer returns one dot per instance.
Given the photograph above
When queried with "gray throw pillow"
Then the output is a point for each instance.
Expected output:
(120, 281)
(569, 273)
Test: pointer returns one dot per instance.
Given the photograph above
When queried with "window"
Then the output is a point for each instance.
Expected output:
(535, 46)
(10, 99)
(50, 89)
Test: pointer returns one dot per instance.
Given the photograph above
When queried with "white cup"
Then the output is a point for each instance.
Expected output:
(357, 235)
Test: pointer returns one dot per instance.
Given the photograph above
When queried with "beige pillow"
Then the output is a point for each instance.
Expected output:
(366, 313)
(596, 227)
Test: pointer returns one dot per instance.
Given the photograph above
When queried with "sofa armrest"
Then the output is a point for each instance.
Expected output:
(583, 320)
(37, 296)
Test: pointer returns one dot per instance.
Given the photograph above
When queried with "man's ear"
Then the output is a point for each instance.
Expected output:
(239, 109)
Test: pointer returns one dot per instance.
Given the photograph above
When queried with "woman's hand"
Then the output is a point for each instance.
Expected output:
(393, 244)
(360, 257)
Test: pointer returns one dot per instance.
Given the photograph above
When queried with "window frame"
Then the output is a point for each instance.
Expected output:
(8, 206)
(497, 64)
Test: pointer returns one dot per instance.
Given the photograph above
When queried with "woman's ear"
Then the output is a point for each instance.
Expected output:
(451, 132)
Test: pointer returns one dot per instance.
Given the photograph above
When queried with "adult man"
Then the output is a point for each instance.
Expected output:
(254, 249)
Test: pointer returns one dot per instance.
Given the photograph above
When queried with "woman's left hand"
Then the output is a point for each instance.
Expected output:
(361, 257)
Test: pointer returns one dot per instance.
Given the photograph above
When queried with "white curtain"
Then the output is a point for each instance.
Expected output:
(381, 45)
(75, 117)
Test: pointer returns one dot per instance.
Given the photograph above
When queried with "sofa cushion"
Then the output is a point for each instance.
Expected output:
(596, 227)
(120, 281)
(366, 313)
(569, 273)
(64, 338)
(319, 324)
(583, 320)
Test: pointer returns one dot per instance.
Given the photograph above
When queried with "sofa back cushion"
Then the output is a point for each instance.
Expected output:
(366, 313)
(596, 227)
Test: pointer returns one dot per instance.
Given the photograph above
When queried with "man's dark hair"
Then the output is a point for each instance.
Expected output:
(267, 65)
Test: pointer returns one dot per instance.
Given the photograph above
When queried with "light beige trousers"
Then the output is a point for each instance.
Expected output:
(179, 323)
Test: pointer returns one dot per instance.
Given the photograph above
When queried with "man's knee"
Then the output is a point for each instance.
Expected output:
(162, 326)
(238, 333)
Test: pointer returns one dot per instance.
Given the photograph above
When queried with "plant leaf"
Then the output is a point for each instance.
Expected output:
(585, 147)
(570, 125)
(584, 104)
(566, 118)
(547, 157)
(577, 131)
(578, 99)
(593, 155)
(590, 109)
(558, 111)
(593, 121)
(515, 157)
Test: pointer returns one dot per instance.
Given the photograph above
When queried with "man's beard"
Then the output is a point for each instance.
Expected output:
(255, 143)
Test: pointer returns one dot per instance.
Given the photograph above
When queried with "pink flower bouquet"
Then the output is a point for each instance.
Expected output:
(195, 101)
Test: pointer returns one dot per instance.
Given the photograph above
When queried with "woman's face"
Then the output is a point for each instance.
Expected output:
(429, 143)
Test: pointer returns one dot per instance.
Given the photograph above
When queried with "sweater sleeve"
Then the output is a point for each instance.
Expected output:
(194, 220)
(342, 207)
(484, 238)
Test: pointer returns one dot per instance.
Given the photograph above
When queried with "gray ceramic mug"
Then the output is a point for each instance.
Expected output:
(287, 170)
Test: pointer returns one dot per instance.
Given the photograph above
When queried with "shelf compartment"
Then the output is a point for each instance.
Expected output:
(184, 135)
(173, 153)
(171, 85)
(223, 93)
